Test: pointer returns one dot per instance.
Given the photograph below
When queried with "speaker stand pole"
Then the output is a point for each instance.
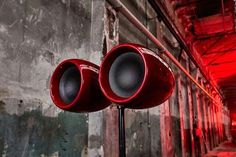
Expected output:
(122, 148)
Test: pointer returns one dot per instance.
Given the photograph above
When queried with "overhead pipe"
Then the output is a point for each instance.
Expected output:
(119, 6)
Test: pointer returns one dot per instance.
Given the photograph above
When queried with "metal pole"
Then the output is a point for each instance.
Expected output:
(122, 148)
(122, 9)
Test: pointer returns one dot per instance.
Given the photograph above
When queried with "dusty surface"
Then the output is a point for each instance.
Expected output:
(226, 149)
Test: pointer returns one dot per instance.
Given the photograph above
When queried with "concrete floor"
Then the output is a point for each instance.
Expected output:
(225, 149)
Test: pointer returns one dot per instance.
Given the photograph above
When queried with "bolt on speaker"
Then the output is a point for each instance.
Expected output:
(135, 77)
(74, 87)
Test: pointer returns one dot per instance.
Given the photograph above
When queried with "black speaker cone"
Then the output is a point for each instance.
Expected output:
(69, 84)
(126, 74)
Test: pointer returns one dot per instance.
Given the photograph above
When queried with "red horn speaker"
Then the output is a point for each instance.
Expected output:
(74, 87)
(135, 77)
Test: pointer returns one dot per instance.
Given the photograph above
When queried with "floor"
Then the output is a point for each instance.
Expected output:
(226, 149)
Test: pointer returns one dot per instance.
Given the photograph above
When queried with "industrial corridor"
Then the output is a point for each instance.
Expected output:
(118, 78)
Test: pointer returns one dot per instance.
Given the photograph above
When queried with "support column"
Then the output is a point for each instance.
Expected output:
(165, 124)
(199, 113)
(191, 112)
(210, 125)
(110, 114)
(181, 114)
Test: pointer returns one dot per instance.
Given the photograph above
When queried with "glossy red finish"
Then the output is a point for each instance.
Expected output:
(157, 85)
(89, 97)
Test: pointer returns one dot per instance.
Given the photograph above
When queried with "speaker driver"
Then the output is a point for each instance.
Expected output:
(135, 77)
(74, 87)
(69, 84)
(126, 74)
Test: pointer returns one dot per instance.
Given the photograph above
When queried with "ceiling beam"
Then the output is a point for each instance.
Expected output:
(213, 44)
(233, 50)
(219, 63)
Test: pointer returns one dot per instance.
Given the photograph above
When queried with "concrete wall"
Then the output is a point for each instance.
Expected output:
(35, 35)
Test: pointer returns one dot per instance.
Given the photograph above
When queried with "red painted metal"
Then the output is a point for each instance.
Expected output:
(89, 97)
(158, 82)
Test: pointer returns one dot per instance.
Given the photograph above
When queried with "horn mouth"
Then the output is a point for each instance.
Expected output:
(126, 74)
(66, 84)
(69, 84)
(123, 74)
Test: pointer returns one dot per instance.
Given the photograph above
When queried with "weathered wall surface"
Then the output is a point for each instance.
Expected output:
(35, 35)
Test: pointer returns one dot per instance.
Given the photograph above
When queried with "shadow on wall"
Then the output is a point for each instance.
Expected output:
(32, 134)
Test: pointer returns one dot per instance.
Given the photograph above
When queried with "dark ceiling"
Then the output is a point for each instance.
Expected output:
(208, 29)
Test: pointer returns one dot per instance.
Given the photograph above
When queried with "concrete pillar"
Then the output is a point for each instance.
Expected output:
(184, 109)
(210, 124)
(175, 121)
(110, 115)
(205, 120)
(166, 138)
(95, 123)
(198, 116)
(181, 112)
(155, 132)
(191, 112)
(214, 125)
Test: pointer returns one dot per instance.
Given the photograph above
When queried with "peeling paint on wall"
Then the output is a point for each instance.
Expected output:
(35, 35)
(30, 133)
